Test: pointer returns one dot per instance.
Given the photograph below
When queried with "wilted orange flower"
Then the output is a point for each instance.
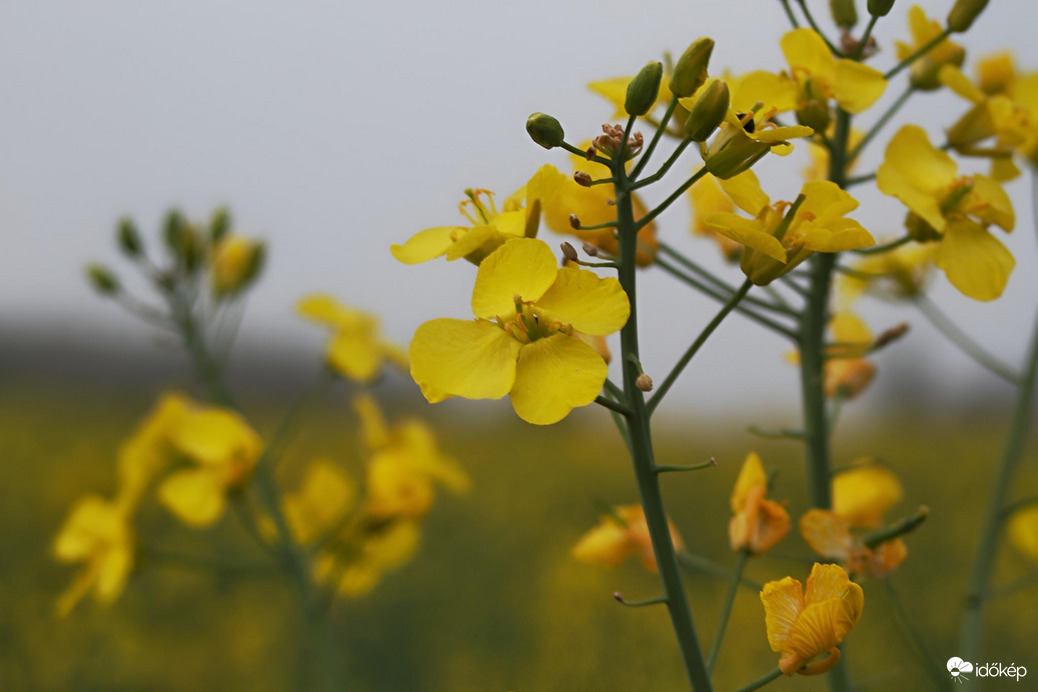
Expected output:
(620, 535)
(830, 536)
(758, 523)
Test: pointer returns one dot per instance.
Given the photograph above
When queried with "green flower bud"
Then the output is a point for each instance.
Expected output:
(173, 231)
(129, 238)
(708, 112)
(844, 13)
(964, 13)
(545, 130)
(690, 72)
(880, 8)
(815, 114)
(643, 89)
(219, 224)
(102, 279)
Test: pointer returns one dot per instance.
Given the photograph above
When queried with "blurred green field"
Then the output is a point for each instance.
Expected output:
(493, 601)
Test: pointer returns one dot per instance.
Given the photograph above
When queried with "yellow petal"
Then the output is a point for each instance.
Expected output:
(917, 173)
(806, 50)
(92, 523)
(1023, 532)
(355, 354)
(783, 600)
(112, 574)
(856, 86)
(524, 267)
(746, 192)
(864, 494)
(826, 533)
(992, 204)
(418, 442)
(837, 236)
(323, 308)
(372, 423)
(776, 135)
(475, 360)
(425, 245)
(708, 198)
(953, 78)
(470, 240)
(325, 496)
(751, 474)
(974, 261)
(216, 436)
(747, 232)
(606, 545)
(590, 304)
(555, 375)
(823, 624)
(195, 496)
(775, 91)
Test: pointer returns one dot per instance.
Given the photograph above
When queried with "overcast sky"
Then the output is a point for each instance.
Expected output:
(334, 129)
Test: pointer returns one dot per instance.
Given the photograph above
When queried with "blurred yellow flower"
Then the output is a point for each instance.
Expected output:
(847, 372)
(758, 523)
(708, 197)
(863, 494)
(519, 217)
(620, 535)
(223, 450)
(956, 210)
(523, 341)
(405, 463)
(356, 349)
(236, 263)
(818, 168)
(821, 76)
(96, 532)
(323, 501)
(1023, 532)
(829, 535)
(996, 73)
(357, 569)
(146, 453)
(774, 247)
(803, 625)
(990, 115)
(899, 274)
(923, 72)
(591, 206)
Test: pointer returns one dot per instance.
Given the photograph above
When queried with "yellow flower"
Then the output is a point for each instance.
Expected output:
(223, 450)
(821, 76)
(591, 206)
(146, 453)
(896, 275)
(323, 500)
(775, 246)
(829, 535)
(990, 115)
(96, 532)
(923, 72)
(803, 625)
(758, 523)
(236, 262)
(818, 169)
(996, 73)
(707, 197)
(614, 90)
(955, 209)
(1023, 532)
(863, 494)
(620, 535)
(522, 342)
(489, 227)
(846, 372)
(359, 567)
(356, 349)
(405, 463)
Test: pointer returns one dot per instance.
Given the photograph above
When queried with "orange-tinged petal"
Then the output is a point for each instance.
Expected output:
(783, 600)
(555, 375)
(524, 267)
(827, 534)
(606, 545)
(750, 475)
(475, 360)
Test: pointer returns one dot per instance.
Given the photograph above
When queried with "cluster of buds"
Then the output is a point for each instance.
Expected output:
(611, 142)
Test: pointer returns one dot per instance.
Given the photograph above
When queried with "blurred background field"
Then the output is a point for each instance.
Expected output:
(493, 601)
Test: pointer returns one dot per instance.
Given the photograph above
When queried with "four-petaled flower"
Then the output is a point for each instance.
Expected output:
(819, 75)
(523, 342)
(356, 349)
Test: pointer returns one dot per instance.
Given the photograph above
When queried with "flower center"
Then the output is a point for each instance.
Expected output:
(483, 206)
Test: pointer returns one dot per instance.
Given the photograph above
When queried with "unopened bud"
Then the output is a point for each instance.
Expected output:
(814, 113)
(890, 336)
(574, 222)
(582, 178)
(964, 13)
(880, 8)
(691, 71)
(708, 112)
(102, 279)
(545, 130)
(844, 13)
(644, 383)
(173, 231)
(590, 153)
(129, 238)
(236, 263)
(643, 89)
(219, 224)
(569, 252)
(589, 249)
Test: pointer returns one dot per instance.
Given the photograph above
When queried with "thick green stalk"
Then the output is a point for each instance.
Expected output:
(987, 550)
(642, 451)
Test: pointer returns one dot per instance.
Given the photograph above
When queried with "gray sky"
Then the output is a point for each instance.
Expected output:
(336, 128)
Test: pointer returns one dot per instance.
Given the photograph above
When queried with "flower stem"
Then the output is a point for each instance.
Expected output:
(726, 609)
(642, 452)
(761, 682)
(884, 119)
(918, 54)
(964, 341)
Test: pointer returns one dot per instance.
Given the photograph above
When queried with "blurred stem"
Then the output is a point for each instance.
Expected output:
(883, 120)
(660, 129)
(726, 609)
(987, 549)
(761, 682)
(708, 566)
(641, 446)
(814, 25)
(932, 667)
(926, 48)
(964, 341)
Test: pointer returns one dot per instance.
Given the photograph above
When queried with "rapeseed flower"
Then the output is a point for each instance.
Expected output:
(356, 350)
(236, 262)
(97, 532)
(758, 523)
(820, 76)
(864, 493)
(830, 536)
(619, 535)
(923, 73)
(323, 500)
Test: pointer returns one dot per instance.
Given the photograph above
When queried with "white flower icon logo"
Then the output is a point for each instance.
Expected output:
(957, 668)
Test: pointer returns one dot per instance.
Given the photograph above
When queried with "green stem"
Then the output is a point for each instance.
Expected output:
(885, 247)
(660, 129)
(863, 43)
(926, 48)
(932, 668)
(708, 566)
(884, 119)
(665, 167)
(761, 682)
(642, 450)
(987, 550)
(814, 25)
(726, 609)
(670, 200)
(963, 341)
(789, 13)
(686, 358)
(613, 405)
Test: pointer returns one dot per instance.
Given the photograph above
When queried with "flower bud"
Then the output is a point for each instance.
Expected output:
(545, 130)
(129, 238)
(173, 231)
(964, 13)
(574, 222)
(880, 8)
(643, 89)
(644, 383)
(708, 112)
(844, 13)
(569, 252)
(815, 114)
(690, 72)
(219, 224)
(237, 261)
(102, 279)
(582, 178)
